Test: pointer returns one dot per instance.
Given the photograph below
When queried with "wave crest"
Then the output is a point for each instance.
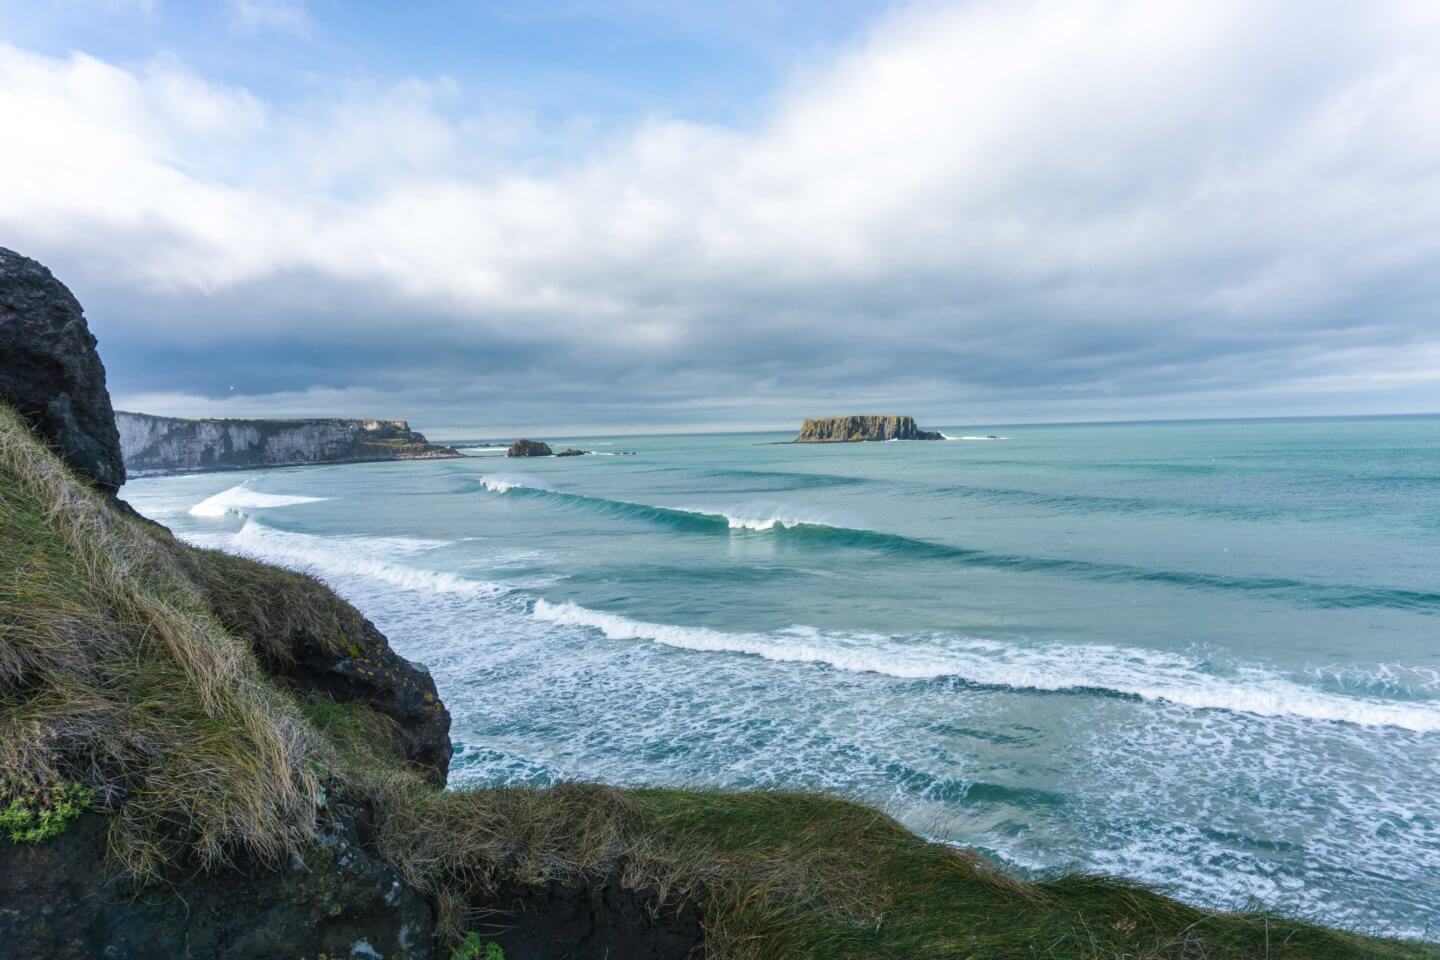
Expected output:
(373, 558)
(1050, 668)
(692, 518)
(241, 497)
(820, 533)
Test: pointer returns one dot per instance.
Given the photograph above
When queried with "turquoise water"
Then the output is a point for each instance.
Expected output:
(1202, 655)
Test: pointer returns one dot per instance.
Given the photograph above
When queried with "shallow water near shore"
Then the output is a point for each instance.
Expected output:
(1201, 655)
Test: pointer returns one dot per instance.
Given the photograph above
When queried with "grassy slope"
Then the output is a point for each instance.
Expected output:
(118, 671)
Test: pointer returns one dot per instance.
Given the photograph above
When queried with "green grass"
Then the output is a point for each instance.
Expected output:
(32, 817)
(473, 948)
(138, 672)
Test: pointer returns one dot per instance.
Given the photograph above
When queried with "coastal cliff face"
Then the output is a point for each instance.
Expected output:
(856, 429)
(153, 444)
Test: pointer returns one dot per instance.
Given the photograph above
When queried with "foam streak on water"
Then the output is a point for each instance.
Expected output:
(1147, 674)
(372, 558)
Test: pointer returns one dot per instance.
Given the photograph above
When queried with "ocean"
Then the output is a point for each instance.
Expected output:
(1201, 655)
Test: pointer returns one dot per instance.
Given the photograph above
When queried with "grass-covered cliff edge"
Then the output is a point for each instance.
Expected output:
(181, 696)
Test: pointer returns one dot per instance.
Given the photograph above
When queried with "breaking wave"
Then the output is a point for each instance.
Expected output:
(1051, 668)
(819, 533)
(683, 518)
(373, 558)
(241, 497)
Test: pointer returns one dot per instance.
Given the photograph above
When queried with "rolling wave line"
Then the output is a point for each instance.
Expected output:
(818, 533)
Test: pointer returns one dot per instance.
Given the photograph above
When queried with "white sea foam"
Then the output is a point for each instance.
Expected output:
(241, 497)
(763, 523)
(970, 437)
(374, 558)
(1146, 674)
(495, 485)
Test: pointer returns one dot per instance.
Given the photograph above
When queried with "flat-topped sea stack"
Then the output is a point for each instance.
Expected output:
(173, 445)
(859, 429)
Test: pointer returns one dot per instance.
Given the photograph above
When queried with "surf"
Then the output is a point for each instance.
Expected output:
(1141, 674)
(240, 498)
(685, 518)
(330, 558)
(810, 531)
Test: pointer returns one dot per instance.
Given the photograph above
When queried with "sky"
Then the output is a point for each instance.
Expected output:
(565, 216)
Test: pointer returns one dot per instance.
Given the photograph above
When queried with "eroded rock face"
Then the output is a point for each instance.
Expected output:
(58, 900)
(153, 444)
(529, 448)
(856, 429)
(50, 372)
(572, 452)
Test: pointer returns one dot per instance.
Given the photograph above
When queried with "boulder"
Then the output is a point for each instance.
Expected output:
(51, 373)
(60, 900)
(529, 448)
(857, 429)
(572, 452)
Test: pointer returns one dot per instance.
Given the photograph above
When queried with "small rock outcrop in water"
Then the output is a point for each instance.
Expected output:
(572, 452)
(176, 445)
(529, 448)
(856, 429)
(51, 374)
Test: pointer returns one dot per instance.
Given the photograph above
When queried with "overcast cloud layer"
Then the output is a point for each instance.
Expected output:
(982, 211)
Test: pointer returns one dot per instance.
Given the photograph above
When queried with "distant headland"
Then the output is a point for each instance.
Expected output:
(859, 429)
(153, 444)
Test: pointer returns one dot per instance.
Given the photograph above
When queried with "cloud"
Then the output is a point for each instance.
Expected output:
(1039, 209)
(286, 16)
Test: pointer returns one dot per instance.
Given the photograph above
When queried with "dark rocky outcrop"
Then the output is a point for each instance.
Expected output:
(309, 637)
(572, 452)
(153, 444)
(856, 429)
(50, 372)
(529, 448)
(59, 901)
(599, 919)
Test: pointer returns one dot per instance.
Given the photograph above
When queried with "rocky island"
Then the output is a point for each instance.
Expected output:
(863, 428)
(202, 755)
(529, 448)
(153, 444)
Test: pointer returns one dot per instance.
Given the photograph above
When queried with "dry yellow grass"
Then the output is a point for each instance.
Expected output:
(113, 673)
